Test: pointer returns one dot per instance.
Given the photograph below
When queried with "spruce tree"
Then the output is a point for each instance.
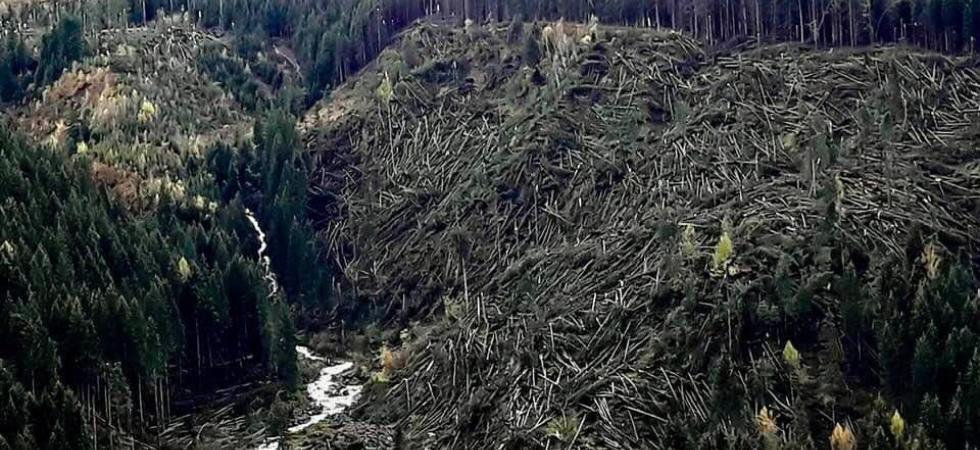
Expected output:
(59, 49)
(10, 89)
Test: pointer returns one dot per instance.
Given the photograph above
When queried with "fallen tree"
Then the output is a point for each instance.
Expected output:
(633, 244)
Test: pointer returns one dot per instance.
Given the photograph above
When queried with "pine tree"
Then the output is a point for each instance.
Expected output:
(925, 361)
(61, 47)
(931, 416)
(14, 61)
(969, 398)
(10, 89)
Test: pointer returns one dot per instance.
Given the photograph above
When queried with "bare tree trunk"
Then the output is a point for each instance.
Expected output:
(108, 412)
(814, 31)
(139, 390)
(197, 334)
(656, 6)
(724, 19)
(166, 384)
(710, 29)
(673, 16)
(773, 18)
(161, 406)
(745, 17)
(732, 22)
(800, 3)
(696, 26)
(736, 23)
(156, 398)
(95, 425)
(833, 25)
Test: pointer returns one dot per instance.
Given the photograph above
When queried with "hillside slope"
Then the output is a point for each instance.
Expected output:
(154, 256)
(634, 244)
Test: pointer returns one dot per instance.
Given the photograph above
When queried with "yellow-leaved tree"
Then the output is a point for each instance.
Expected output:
(184, 268)
(385, 91)
(148, 112)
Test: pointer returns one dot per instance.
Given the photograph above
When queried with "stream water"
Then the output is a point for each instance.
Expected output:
(270, 276)
(326, 392)
(329, 395)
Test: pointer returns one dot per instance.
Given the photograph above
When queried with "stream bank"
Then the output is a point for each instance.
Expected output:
(327, 392)
(331, 393)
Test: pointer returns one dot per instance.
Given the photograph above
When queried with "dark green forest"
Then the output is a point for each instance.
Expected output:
(19, 69)
(122, 314)
(119, 317)
(16, 64)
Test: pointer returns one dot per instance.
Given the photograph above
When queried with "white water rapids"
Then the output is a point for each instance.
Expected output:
(328, 394)
(270, 276)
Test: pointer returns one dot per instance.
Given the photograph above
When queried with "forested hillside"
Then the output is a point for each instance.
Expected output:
(134, 291)
(100, 304)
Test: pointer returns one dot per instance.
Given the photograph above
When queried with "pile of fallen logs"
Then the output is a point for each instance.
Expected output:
(561, 231)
